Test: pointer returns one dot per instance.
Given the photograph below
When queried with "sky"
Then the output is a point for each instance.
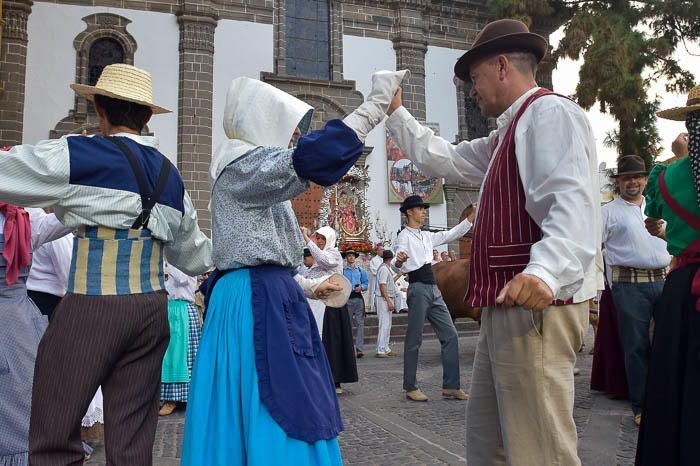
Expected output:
(565, 79)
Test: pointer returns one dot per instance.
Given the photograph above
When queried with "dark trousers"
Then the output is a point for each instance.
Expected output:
(356, 307)
(117, 342)
(44, 301)
(635, 304)
(425, 302)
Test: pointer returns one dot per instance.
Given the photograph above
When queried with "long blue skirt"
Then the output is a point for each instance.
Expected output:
(226, 423)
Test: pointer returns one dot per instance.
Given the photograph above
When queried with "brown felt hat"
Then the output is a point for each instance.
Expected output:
(501, 36)
(631, 165)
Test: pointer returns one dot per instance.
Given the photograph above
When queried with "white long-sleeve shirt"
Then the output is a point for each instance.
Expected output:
(327, 261)
(45, 230)
(51, 267)
(50, 260)
(179, 285)
(557, 163)
(419, 244)
(627, 241)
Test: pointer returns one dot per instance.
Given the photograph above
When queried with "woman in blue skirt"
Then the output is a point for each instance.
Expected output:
(262, 392)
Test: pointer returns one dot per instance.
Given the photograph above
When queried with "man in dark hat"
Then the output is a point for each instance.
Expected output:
(532, 269)
(639, 263)
(357, 277)
(414, 256)
(308, 261)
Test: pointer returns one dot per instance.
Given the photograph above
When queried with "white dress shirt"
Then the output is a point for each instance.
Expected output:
(51, 266)
(179, 285)
(557, 163)
(419, 244)
(374, 264)
(627, 241)
(46, 230)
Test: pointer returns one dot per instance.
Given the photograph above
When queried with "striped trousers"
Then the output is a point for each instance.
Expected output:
(117, 342)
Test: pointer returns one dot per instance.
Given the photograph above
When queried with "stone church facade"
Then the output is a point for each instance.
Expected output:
(322, 51)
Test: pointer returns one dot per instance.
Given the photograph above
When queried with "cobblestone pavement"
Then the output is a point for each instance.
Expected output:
(383, 428)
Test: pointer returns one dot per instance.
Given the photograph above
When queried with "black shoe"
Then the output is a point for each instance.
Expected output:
(359, 354)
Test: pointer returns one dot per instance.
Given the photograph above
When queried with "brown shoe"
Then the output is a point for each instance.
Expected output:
(167, 408)
(416, 395)
(456, 394)
(637, 419)
(391, 354)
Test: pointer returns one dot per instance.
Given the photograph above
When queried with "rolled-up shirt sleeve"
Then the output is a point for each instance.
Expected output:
(556, 173)
(434, 156)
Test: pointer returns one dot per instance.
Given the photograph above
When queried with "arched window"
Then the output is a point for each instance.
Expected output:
(307, 34)
(103, 52)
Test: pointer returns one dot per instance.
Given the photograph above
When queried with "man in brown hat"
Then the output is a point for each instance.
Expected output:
(535, 238)
(638, 262)
(129, 206)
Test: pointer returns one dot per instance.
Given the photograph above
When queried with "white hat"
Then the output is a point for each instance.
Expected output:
(123, 82)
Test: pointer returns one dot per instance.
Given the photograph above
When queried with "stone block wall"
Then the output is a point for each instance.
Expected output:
(13, 61)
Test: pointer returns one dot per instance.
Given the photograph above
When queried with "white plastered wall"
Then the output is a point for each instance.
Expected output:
(361, 57)
(51, 60)
(241, 49)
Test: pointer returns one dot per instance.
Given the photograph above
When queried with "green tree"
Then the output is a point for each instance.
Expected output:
(625, 46)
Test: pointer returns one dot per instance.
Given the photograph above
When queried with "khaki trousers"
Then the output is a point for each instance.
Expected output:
(520, 410)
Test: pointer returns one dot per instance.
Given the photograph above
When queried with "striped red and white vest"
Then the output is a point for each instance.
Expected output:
(504, 232)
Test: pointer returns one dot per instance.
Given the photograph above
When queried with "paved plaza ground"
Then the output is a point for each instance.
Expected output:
(383, 428)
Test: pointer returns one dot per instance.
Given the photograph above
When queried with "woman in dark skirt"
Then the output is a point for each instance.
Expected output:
(340, 346)
(670, 429)
(608, 371)
(337, 326)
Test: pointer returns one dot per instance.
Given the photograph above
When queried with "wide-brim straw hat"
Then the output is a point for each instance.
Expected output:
(680, 113)
(501, 36)
(123, 82)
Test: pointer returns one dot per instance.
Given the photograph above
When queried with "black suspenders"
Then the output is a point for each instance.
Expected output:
(147, 201)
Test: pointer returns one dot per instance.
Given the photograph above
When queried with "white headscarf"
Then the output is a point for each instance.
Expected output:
(330, 235)
(257, 115)
(328, 260)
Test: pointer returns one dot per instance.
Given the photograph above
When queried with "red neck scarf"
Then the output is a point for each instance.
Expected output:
(18, 239)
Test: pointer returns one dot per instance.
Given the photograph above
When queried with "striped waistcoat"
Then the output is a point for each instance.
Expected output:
(108, 262)
(504, 232)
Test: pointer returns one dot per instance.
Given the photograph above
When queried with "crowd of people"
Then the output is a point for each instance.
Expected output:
(113, 266)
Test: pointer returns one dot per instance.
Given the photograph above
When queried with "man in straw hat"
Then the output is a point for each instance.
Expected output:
(535, 238)
(670, 428)
(129, 206)
(639, 263)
